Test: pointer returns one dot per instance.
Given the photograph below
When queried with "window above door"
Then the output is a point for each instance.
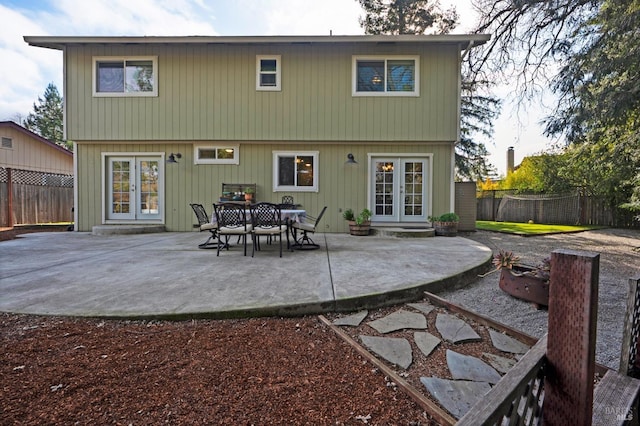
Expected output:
(386, 75)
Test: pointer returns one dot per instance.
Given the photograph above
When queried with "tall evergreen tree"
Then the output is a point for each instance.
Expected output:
(598, 111)
(477, 110)
(46, 118)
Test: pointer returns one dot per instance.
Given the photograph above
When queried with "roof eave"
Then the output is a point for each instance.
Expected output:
(59, 42)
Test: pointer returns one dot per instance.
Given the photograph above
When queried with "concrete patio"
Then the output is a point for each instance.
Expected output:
(165, 275)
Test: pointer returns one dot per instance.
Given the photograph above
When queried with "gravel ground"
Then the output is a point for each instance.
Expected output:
(619, 261)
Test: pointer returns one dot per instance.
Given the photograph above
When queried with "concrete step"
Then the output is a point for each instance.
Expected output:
(126, 229)
(403, 232)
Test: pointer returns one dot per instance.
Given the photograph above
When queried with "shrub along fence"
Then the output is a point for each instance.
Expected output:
(29, 197)
(573, 208)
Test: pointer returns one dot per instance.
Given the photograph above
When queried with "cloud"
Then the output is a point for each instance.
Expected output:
(304, 17)
(27, 70)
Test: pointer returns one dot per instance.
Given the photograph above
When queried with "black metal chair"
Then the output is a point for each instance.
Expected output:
(310, 225)
(205, 225)
(266, 219)
(287, 202)
(232, 219)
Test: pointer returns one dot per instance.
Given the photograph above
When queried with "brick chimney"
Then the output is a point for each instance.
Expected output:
(510, 159)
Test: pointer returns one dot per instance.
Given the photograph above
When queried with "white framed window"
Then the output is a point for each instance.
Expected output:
(125, 76)
(295, 171)
(268, 72)
(386, 75)
(216, 154)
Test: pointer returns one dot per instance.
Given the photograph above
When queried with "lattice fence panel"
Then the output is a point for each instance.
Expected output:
(36, 197)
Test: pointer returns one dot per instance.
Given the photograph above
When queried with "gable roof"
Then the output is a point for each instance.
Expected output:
(12, 125)
(465, 41)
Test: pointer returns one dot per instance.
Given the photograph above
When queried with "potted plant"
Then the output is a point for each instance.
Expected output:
(446, 224)
(358, 225)
(530, 283)
(248, 193)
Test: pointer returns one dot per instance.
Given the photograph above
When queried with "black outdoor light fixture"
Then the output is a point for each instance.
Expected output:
(172, 158)
(350, 159)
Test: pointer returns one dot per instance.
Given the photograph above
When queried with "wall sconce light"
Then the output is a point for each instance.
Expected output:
(350, 159)
(172, 158)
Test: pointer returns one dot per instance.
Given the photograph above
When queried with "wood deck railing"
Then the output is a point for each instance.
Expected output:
(518, 398)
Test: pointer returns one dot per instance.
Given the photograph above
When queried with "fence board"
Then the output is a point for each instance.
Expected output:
(548, 208)
(36, 197)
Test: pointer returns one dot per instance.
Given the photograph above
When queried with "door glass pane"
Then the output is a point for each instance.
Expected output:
(413, 188)
(121, 174)
(384, 188)
(149, 187)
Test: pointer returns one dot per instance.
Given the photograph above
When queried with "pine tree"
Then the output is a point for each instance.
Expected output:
(478, 111)
(46, 118)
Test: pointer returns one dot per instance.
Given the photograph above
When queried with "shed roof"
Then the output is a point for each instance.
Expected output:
(12, 125)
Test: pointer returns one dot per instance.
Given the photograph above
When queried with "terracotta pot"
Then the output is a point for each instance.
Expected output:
(519, 282)
(446, 229)
(359, 230)
(248, 197)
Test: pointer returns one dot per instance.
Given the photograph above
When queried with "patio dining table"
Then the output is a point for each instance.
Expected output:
(287, 216)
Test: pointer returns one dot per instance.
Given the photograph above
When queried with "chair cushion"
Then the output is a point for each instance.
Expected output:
(305, 226)
(269, 230)
(208, 226)
(235, 229)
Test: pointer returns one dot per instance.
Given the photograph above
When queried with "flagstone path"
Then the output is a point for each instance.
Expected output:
(470, 377)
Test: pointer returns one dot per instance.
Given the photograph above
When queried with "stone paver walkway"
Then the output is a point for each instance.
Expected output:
(471, 377)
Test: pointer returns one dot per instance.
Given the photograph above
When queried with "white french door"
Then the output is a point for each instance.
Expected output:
(399, 189)
(134, 188)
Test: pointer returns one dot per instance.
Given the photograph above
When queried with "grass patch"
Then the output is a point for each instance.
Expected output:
(530, 228)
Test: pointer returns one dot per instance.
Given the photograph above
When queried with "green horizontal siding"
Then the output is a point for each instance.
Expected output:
(207, 92)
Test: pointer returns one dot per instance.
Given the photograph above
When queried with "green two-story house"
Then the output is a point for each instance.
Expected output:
(283, 112)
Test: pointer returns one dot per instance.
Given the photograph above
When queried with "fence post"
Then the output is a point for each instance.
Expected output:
(573, 303)
(630, 354)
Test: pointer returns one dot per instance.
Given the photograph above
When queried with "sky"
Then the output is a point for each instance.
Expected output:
(26, 71)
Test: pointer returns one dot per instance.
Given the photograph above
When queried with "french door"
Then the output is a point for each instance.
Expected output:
(134, 188)
(399, 189)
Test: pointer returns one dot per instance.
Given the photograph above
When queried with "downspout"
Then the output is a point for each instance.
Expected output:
(452, 199)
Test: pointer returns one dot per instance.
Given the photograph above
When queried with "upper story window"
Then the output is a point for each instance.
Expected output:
(7, 143)
(268, 72)
(125, 76)
(218, 154)
(386, 76)
(295, 171)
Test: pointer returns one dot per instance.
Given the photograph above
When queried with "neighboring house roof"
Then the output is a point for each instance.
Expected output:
(35, 136)
(465, 41)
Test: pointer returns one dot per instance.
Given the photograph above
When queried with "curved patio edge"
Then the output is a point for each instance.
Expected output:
(174, 280)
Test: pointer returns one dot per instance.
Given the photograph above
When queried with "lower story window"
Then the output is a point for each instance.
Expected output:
(209, 154)
(295, 171)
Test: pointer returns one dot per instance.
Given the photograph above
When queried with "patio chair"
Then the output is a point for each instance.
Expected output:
(266, 219)
(308, 226)
(232, 220)
(287, 202)
(205, 225)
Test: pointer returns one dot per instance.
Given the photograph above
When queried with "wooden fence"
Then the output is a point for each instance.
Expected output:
(564, 209)
(29, 197)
